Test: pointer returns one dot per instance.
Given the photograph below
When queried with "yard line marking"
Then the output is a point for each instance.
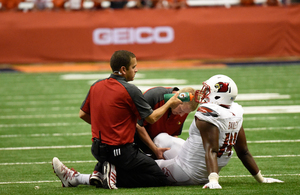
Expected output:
(39, 116)
(45, 135)
(41, 163)
(271, 128)
(40, 102)
(270, 118)
(277, 156)
(261, 129)
(82, 123)
(247, 109)
(89, 133)
(51, 96)
(271, 109)
(76, 115)
(261, 96)
(272, 156)
(265, 175)
(29, 109)
(40, 125)
(28, 182)
(45, 147)
(273, 141)
(86, 146)
(271, 102)
(94, 161)
(224, 176)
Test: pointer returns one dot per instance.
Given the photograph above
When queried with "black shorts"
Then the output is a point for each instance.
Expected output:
(134, 168)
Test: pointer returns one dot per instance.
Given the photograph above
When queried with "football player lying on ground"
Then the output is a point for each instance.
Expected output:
(216, 129)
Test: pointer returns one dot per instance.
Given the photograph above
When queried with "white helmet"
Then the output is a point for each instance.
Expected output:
(219, 89)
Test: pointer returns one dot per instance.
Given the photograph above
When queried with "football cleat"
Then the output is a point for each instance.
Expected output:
(68, 177)
(96, 179)
(109, 176)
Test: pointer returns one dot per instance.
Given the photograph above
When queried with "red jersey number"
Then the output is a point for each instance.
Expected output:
(229, 141)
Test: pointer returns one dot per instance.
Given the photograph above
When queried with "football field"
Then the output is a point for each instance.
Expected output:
(39, 120)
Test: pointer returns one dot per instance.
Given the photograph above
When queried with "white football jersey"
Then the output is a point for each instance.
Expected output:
(191, 157)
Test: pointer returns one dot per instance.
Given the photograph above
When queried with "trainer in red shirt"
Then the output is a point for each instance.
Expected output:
(112, 107)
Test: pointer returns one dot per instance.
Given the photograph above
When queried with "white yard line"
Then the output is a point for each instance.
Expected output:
(271, 109)
(273, 141)
(36, 109)
(224, 176)
(29, 182)
(262, 118)
(76, 116)
(39, 116)
(261, 129)
(271, 128)
(45, 147)
(41, 163)
(261, 96)
(47, 135)
(89, 133)
(94, 161)
(267, 175)
(41, 102)
(40, 125)
(87, 146)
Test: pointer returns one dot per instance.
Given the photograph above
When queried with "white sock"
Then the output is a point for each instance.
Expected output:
(84, 179)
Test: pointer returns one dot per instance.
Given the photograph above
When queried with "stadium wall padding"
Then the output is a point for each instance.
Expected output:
(152, 34)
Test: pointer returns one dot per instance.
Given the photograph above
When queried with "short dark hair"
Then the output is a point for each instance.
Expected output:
(121, 58)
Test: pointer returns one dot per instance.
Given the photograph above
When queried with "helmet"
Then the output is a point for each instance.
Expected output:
(219, 89)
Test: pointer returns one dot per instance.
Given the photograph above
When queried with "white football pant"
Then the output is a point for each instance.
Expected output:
(164, 140)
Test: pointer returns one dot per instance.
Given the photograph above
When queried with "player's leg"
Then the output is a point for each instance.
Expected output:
(69, 177)
(164, 140)
(174, 172)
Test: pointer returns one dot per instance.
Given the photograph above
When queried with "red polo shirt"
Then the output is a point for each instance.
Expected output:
(168, 123)
(114, 106)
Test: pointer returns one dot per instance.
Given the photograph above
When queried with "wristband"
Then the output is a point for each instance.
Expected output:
(213, 177)
(259, 177)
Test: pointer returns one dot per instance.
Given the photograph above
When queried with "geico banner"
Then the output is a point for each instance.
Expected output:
(130, 35)
(154, 34)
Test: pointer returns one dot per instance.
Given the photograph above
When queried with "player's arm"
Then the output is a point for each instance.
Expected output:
(84, 116)
(144, 136)
(244, 154)
(247, 159)
(210, 138)
(159, 112)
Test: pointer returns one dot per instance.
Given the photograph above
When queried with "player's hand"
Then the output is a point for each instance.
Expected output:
(212, 185)
(271, 180)
(159, 153)
(213, 181)
(174, 101)
(262, 179)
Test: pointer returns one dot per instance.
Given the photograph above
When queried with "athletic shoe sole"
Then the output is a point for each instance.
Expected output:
(96, 181)
(109, 179)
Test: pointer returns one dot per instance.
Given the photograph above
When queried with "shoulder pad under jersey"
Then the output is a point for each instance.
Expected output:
(207, 111)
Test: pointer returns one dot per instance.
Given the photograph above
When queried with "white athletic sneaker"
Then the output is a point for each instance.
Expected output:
(96, 179)
(109, 176)
(66, 175)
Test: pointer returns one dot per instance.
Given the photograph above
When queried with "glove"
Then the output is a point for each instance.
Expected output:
(262, 179)
(271, 180)
(213, 182)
